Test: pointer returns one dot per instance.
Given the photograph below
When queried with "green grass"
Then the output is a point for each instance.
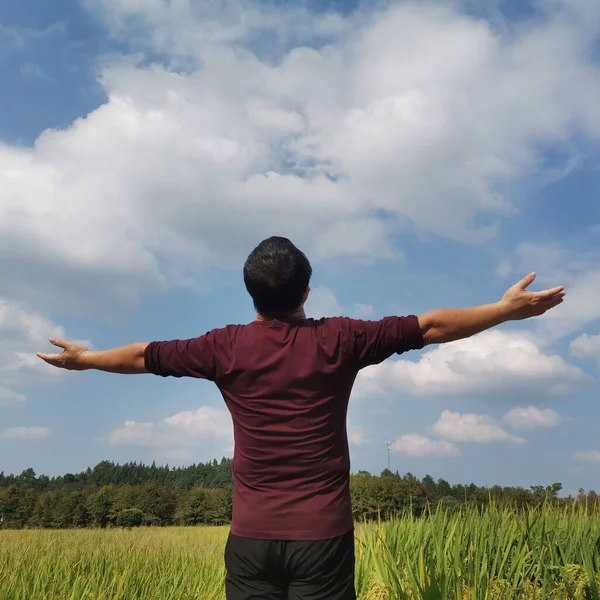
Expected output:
(496, 555)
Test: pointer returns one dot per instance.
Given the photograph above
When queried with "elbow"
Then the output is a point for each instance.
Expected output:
(435, 335)
(139, 365)
(430, 329)
(436, 329)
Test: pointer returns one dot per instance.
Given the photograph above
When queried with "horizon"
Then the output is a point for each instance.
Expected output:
(216, 461)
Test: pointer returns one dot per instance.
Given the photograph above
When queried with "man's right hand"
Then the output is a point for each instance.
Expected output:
(520, 303)
(70, 358)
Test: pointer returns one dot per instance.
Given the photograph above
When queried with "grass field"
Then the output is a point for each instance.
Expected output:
(497, 555)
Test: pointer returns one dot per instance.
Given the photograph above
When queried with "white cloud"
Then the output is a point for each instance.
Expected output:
(27, 433)
(22, 333)
(574, 268)
(586, 346)
(322, 302)
(10, 399)
(532, 417)
(183, 30)
(174, 434)
(33, 71)
(503, 269)
(204, 421)
(357, 435)
(491, 364)
(551, 261)
(580, 310)
(472, 428)
(316, 144)
(176, 437)
(364, 311)
(413, 444)
(137, 434)
(587, 456)
(367, 238)
(455, 428)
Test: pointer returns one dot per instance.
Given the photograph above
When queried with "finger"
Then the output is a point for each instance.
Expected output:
(552, 298)
(60, 343)
(526, 281)
(49, 358)
(551, 293)
(551, 303)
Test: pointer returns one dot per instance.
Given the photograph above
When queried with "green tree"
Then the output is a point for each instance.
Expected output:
(99, 506)
(130, 517)
(205, 506)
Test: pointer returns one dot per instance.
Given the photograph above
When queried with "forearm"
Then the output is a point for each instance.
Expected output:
(450, 324)
(127, 360)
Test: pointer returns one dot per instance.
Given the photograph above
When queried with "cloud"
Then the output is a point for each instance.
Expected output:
(19, 40)
(10, 399)
(33, 71)
(580, 310)
(588, 456)
(363, 311)
(503, 269)
(455, 428)
(472, 428)
(184, 30)
(27, 433)
(339, 146)
(23, 333)
(357, 435)
(532, 418)
(366, 238)
(174, 434)
(413, 444)
(322, 302)
(201, 422)
(586, 346)
(492, 364)
(551, 261)
(176, 437)
(576, 269)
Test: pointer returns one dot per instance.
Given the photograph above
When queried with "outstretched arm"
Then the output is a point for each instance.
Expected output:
(127, 360)
(450, 324)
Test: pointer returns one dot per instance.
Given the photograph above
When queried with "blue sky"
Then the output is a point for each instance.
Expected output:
(423, 155)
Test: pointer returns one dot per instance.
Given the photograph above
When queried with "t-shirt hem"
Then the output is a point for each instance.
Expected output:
(290, 535)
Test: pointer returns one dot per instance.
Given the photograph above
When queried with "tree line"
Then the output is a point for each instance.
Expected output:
(135, 494)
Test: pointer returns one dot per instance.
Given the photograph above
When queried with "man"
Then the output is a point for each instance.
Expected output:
(286, 381)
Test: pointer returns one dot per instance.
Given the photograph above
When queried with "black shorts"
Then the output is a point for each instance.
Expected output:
(274, 570)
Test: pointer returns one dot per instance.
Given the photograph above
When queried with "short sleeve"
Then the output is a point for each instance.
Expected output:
(196, 357)
(375, 341)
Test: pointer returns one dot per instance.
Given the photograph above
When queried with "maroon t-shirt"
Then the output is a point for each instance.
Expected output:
(287, 386)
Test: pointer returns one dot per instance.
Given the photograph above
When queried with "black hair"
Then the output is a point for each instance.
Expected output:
(276, 275)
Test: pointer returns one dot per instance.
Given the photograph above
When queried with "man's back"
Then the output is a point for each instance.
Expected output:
(287, 386)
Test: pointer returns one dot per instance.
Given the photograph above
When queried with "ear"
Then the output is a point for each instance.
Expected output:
(306, 294)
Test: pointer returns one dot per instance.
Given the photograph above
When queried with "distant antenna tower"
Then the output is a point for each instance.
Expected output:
(388, 446)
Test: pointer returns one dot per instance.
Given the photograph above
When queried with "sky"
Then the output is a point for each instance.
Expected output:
(423, 155)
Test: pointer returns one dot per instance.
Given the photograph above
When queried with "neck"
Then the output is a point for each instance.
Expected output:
(298, 314)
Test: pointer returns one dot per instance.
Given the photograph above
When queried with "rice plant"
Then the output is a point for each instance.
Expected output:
(496, 554)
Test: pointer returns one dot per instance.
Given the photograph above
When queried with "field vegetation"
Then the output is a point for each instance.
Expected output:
(465, 553)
